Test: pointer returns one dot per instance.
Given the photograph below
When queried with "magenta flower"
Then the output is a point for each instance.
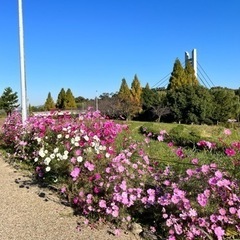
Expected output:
(180, 153)
(202, 199)
(230, 152)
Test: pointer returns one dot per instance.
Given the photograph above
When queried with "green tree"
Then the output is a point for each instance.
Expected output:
(81, 102)
(225, 104)
(190, 75)
(148, 97)
(70, 100)
(190, 104)
(124, 93)
(126, 106)
(9, 100)
(49, 103)
(61, 100)
(178, 77)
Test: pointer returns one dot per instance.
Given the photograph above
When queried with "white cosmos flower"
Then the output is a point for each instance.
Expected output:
(67, 136)
(47, 169)
(65, 157)
(41, 153)
(86, 138)
(46, 151)
(52, 156)
(102, 148)
(47, 160)
(77, 139)
(38, 139)
(56, 150)
(95, 137)
(79, 159)
(107, 155)
(76, 144)
(59, 136)
(35, 159)
(59, 156)
(65, 152)
(72, 140)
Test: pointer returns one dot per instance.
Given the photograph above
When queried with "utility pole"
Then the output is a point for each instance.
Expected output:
(22, 63)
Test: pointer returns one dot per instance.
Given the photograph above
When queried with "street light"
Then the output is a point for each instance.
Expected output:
(22, 63)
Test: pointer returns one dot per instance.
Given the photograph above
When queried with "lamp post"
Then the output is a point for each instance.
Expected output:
(22, 63)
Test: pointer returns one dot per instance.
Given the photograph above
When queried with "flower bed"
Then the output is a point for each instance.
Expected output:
(106, 175)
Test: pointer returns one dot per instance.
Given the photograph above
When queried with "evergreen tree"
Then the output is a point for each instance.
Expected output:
(191, 79)
(49, 103)
(136, 91)
(61, 103)
(147, 97)
(178, 78)
(225, 104)
(124, 91)
(70, 100)
(190, 104)
(126, 106)
(9, 100)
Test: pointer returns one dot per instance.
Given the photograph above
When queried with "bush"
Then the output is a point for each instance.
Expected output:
(183, 136)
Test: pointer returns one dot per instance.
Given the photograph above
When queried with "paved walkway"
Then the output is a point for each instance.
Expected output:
(30, 213)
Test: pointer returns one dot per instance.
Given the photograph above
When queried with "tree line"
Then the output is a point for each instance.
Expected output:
(184, 100)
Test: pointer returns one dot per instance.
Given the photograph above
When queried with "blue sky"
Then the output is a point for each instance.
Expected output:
(89, 46)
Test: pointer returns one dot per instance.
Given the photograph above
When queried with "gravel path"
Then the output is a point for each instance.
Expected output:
(28, 212)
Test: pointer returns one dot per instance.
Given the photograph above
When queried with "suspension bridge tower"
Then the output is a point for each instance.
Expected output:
(192, 60)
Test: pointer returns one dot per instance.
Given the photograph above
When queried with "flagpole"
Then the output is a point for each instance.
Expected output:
(22, 63)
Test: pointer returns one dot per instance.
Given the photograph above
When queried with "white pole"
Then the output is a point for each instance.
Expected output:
(22, 63)
(96, 101)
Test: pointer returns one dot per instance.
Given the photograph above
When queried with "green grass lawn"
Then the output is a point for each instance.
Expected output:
(165, 155)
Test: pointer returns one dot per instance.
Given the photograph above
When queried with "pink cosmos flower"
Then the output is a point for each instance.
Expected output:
(73, 160)
(180, 153)
(232, 210)
(160, 138)
(147, 140)
(178, 228)
(102, 204)
(195, 161)
(218, 174)
(230, 152)
(89, 166)
(227, 131)
(219, 232)
(117, 232)
(202, 199)
(75, 173)
(222, 211)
